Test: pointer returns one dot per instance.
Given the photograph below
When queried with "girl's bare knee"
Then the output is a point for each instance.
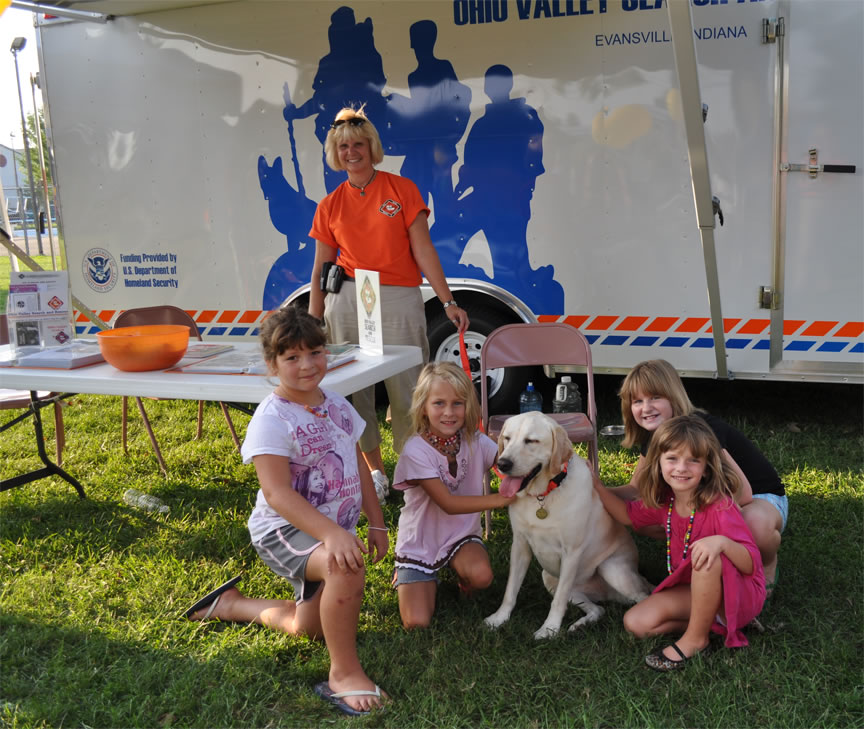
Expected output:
(415, 622)
(480, 577)
(633, 625)
(715, 571)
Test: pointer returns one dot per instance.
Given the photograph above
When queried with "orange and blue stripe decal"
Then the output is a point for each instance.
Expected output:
(800, 335)
(211, 322)
(696, 332)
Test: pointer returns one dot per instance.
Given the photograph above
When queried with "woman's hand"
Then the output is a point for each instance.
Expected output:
(458, 316)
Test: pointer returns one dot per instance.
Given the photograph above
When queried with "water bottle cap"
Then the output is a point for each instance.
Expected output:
(530, 387)
(566, 378)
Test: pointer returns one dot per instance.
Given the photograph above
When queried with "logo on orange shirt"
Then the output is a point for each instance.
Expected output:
(390, 208)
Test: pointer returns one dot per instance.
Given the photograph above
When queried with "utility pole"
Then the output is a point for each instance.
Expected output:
(34, 82)
(17, 45)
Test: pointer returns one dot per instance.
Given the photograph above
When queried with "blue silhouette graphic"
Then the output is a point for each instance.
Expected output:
(503, 158)
(427, 126)
(351, 74)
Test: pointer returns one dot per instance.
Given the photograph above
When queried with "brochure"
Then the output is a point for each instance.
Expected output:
(228, 363)
(199, 350)
(341, 354)
(66, 356)
(38, 309)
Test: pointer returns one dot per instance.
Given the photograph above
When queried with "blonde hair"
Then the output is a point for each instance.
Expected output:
(694, 434)
(653, 377)
(454, 376)
(349, 133)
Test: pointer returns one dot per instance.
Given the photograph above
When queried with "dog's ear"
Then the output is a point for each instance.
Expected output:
(562, 448)
(501, 439)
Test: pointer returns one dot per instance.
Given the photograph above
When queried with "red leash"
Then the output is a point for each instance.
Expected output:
(466, 365)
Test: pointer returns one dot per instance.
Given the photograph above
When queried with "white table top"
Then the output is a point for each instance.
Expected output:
(103, 379)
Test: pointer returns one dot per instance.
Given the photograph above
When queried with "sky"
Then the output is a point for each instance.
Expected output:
(15, 23)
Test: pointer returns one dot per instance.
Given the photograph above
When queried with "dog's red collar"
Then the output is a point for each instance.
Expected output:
(556, 481)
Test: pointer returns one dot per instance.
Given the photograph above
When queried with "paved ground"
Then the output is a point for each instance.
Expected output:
(31, 245)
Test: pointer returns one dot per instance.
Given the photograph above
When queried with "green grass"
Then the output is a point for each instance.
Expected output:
(91, 590)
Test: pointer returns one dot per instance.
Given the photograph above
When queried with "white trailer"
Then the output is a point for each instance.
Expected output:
(561, 145)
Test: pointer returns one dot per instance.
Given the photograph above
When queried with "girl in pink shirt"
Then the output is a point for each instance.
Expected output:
(441, 471)
(716, 582)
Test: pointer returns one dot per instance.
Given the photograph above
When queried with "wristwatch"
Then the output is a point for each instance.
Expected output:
(450, 303)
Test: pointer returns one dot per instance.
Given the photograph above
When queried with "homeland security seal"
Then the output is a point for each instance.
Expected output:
(99, 269)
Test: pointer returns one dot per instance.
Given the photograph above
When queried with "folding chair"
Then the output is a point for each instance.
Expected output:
(164, 314)
(541, 344)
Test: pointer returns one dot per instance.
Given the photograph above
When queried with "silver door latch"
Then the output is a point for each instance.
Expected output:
(814, 168)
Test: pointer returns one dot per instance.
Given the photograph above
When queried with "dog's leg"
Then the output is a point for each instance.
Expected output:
(566, 580)
(593, 611)
(520, 558)
(550, 581)
(621, 575)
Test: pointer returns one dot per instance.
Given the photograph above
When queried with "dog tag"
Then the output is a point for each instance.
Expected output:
(542, 513)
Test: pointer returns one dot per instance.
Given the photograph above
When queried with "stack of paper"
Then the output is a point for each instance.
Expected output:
(66, 356)
(238, 363)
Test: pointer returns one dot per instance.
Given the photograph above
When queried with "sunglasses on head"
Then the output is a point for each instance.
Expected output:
(354, 121)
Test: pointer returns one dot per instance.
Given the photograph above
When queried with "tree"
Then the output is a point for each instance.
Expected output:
(34, 153)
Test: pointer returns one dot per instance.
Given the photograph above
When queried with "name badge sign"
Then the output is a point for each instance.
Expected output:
(371, 336)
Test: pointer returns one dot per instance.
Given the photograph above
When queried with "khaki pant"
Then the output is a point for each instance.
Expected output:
(403, 319)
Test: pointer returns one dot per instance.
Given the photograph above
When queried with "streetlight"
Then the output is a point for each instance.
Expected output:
(17, 45)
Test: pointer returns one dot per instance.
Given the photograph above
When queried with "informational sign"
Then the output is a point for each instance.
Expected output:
(38, 309)
(369, 311)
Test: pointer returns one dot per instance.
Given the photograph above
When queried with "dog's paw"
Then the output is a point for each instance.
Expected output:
(546, 632)
(593, 613)
(496, 620)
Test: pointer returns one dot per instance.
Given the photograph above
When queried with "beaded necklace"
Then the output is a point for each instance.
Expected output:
(448, 446)
(319, 411)
(669, 535)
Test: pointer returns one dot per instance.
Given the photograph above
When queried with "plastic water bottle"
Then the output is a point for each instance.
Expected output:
(567, 397)
(136, 498)
(530, 400)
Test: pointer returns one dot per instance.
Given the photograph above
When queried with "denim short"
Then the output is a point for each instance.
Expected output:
(408, 576)
(286, 551)
(781, 503)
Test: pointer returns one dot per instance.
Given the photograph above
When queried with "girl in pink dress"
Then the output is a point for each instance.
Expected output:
(715, 581)
(441, 471)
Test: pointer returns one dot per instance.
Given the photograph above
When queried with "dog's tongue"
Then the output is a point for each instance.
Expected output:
(510, 485)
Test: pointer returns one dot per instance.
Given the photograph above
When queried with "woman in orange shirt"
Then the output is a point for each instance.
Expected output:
(376, 221)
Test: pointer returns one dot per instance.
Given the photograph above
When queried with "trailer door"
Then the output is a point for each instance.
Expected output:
(818, 317)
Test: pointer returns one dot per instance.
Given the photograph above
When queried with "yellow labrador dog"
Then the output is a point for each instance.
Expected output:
(557, 516)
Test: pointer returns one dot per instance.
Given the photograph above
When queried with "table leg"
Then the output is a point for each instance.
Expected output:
(50, 468)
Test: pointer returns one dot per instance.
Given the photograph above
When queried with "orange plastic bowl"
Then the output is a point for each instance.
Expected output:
(144, 348)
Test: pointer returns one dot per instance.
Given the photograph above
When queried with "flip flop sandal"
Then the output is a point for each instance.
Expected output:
(211, 598)
(325, 692)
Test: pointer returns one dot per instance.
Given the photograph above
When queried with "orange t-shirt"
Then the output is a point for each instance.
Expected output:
(371, 231)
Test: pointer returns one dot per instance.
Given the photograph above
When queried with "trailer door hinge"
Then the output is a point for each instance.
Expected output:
(768, 298)
(772, 28)
(715, 202)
